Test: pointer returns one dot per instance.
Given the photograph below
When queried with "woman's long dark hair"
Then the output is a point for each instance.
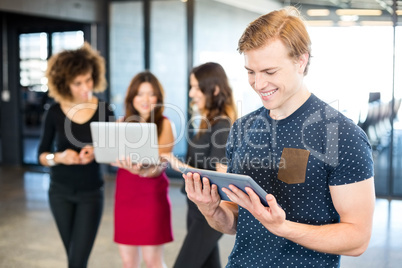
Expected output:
(131, 114)
(211, 76)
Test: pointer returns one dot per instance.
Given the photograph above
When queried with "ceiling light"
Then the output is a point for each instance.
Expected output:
(320, 23)
(349, 18)
(359, 12)
(376, 23)
(318, 12)
(347, 23)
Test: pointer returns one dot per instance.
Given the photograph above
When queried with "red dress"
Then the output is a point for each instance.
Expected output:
(142, 211)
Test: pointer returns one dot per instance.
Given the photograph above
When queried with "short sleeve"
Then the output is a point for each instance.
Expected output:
(354, 161)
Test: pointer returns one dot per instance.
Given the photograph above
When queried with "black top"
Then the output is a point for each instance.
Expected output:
(60, 133)
(209, 147)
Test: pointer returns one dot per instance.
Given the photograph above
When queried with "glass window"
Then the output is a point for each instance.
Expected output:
(398, 67)
(126, 49)
(348, 64)
(33, 53)
(169, 63)
(397, 148)
(33, 58)
(218, 28)
(67, 40)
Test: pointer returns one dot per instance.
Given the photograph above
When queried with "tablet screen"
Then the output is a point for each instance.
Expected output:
(225, 179)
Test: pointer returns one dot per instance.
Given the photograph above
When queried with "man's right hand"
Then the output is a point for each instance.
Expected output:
(205, 196)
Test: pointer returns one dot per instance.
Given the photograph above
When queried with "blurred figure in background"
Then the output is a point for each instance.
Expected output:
(142, 205)
(212, 98)
(76, 183)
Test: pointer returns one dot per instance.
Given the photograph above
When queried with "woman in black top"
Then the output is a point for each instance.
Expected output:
(212, 98)
(76, 185)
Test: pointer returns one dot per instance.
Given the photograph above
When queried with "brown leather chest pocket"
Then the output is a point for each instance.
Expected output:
(293, 165)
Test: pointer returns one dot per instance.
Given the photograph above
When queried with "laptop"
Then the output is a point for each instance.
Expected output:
(118, 140)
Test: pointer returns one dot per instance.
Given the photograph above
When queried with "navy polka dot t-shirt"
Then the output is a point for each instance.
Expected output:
(295, 159)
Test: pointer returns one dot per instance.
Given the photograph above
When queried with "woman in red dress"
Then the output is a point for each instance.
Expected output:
(142, 206)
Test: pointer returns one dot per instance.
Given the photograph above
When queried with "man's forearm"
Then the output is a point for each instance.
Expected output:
(339, 238)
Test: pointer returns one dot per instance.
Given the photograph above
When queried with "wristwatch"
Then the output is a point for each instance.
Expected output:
(50, 160)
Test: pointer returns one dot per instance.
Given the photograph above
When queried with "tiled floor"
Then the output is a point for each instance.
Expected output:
(28, 235)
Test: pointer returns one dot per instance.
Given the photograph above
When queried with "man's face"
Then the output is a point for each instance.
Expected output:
(277, 78)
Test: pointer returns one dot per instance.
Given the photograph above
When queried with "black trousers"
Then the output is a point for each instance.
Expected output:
(200, 247)
(77, 216)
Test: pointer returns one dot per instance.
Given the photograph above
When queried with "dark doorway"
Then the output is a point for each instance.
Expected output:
(29, 42)
(35, 49)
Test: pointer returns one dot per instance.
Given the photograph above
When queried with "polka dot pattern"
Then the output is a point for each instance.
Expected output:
(339, 154)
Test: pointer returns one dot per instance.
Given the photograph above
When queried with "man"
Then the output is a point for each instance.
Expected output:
(315, 164)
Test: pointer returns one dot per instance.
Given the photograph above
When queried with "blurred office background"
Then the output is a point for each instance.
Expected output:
(356, 63)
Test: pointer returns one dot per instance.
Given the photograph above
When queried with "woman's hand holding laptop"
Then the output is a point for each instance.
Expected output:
(141, 169)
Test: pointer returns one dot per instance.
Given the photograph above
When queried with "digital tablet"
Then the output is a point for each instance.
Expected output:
(225, 179)
(117, 140)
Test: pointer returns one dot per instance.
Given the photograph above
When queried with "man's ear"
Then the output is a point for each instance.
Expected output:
(303, 61)
(217, 90)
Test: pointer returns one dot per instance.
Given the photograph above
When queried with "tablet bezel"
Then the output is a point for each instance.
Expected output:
(225, 179)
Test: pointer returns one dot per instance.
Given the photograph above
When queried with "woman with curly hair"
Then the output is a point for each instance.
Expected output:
(76, 184)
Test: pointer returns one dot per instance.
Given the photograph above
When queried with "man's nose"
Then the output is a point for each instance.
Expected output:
(260, 81)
